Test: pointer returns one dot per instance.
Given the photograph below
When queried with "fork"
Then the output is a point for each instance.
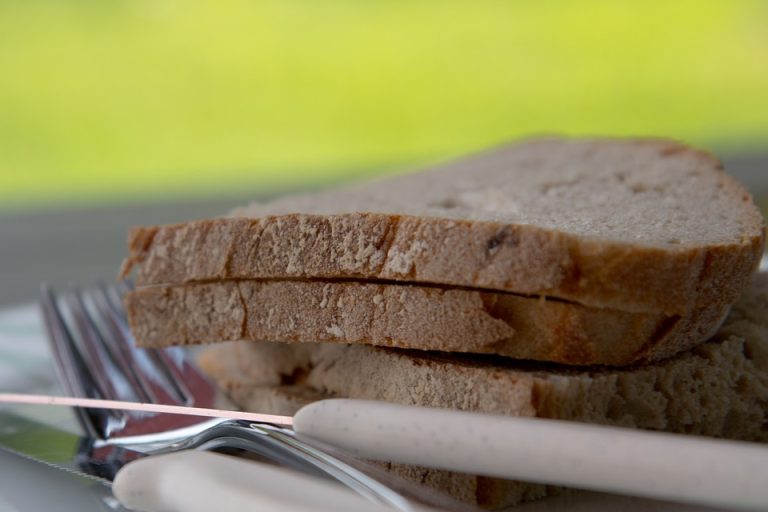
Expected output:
(95, 357)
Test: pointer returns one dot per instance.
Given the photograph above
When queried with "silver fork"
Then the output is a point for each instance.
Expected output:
(96, 357)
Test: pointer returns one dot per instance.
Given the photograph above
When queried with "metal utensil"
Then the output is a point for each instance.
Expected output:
(96, 358)
(209, 480)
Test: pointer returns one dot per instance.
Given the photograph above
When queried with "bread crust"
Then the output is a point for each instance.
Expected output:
(479, 251)
(410, 316)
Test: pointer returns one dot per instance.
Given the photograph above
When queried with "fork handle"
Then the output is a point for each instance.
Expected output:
(628, 461)
(200, 481)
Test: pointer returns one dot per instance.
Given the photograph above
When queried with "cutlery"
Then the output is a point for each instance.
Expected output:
(673, 467)
(186, 481)
(96, 358)
(30, 484)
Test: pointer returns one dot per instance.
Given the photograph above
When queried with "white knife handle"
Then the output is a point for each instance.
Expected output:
(620, 460)
(199, 481)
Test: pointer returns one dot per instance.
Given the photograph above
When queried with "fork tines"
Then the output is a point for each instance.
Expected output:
(96, 357)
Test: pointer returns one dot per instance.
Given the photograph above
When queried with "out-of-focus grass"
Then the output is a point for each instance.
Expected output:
(133, 97)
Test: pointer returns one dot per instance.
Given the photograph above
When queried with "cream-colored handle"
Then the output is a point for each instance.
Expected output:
(199, 481)
(620, 460)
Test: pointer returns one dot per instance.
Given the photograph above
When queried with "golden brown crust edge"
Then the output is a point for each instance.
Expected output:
(486, 255)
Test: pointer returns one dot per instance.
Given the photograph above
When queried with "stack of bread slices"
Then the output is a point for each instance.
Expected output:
(600, 280)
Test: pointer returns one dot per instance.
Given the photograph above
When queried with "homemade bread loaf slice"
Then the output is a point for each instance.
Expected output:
(636, 225)
(718, 389)
(411, 316)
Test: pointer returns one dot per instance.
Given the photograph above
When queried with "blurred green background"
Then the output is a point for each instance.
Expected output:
(113, 100)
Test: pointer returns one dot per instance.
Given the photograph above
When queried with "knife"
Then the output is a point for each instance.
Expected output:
(675, 467)
(29, 486)
(40, 470)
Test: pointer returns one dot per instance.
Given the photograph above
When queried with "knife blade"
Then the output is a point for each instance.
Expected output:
(39, 441)
(39, 469)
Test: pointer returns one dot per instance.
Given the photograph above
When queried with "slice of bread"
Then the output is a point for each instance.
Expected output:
(717, 389)
(636, 225)
(411, 316)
